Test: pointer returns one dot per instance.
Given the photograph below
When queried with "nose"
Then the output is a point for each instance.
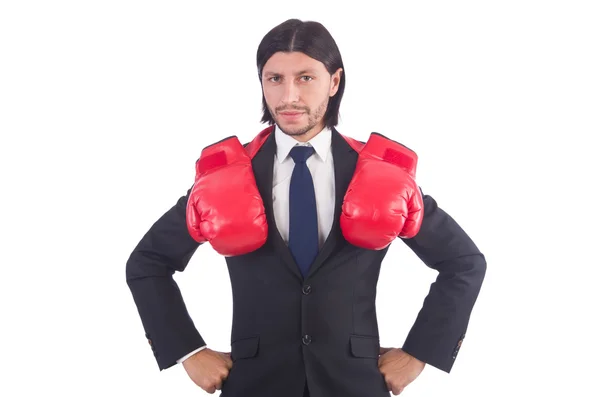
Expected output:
(290, 92)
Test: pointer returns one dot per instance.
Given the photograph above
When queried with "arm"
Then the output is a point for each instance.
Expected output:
(167, 247)
(440, 327)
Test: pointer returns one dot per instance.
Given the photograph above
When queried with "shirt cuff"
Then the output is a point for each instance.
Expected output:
(182, 359)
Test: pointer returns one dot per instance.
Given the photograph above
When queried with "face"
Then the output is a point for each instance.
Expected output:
(297, 89)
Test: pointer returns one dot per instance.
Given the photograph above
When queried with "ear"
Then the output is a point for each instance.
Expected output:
(334, 85)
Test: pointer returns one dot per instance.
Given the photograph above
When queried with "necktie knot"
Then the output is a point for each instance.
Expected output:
(301, 153)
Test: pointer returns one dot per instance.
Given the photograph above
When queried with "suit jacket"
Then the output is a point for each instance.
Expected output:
(322, 330)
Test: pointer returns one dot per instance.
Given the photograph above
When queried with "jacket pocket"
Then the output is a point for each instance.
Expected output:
(244, 348)
(364, 346)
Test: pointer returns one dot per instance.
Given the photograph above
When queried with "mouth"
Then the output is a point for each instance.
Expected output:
(291, 115)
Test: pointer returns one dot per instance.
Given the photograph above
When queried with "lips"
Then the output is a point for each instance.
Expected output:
(291, 116)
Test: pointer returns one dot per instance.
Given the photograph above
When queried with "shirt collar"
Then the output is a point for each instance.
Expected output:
(320, 142)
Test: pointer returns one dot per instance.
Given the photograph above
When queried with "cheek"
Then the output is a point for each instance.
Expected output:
(269, 95)
(316, 95)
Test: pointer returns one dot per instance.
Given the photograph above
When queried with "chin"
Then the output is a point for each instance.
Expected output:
(293, 129)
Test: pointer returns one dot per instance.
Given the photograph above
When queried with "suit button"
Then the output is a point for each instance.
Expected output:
(306, 339)
(306, 289)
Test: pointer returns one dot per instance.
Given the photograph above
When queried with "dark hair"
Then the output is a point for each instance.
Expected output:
(314, 40)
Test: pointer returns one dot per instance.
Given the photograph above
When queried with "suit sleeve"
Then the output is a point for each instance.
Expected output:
(441, 325)
(165, 248)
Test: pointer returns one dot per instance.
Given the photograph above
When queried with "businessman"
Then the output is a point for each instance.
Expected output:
(303, 216)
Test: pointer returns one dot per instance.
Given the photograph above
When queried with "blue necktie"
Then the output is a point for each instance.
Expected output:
(304, 232)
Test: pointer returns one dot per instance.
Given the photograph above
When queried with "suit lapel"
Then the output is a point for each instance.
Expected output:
(262, 165)
(344, 162)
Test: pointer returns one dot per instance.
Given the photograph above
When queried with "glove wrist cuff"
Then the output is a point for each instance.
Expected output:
(222, 153)
(380, 147)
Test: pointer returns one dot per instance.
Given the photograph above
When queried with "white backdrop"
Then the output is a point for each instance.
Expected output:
(106, 105)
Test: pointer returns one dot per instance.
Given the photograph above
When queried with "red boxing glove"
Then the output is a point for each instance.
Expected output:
(225, 207)
(383, 200)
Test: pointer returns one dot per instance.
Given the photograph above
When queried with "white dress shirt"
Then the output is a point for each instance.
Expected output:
(321, 168)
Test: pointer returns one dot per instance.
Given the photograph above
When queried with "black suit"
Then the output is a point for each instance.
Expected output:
(321, 330)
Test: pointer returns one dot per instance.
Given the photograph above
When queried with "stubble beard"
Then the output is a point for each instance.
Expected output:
(313, 119)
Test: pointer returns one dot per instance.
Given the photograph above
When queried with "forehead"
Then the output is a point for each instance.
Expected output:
(292, 63)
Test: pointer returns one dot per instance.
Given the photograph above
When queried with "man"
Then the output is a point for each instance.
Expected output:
(303, 266)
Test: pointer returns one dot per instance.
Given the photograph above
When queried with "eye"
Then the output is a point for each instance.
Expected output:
(307, 78)
(274, 77)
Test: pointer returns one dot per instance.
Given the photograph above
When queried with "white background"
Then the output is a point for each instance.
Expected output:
(106, 105)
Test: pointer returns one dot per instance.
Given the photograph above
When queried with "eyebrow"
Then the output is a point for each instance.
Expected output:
(305, 71)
